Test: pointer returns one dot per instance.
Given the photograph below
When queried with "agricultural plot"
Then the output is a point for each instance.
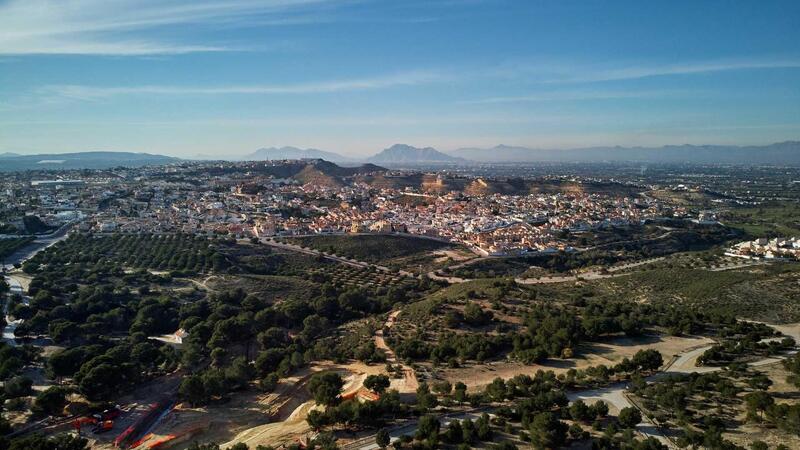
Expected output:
(9, 246)
(350, 276)
(172, 252)
(373, 248)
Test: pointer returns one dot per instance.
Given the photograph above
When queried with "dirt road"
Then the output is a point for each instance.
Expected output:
(409, 383)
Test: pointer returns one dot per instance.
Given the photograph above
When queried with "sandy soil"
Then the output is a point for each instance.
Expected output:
(23, 279)
(455, 255)
(409, 383)
(608, 353)
(783, 393)
(789, 329)
(261, 419)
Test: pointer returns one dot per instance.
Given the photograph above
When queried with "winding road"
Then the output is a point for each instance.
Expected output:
(19, 257)
(615, 395)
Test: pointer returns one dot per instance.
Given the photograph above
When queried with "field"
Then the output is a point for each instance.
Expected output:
(350, 276)
(394, 251)
(769, 220)
(719, 403)
(608, 353)
(9, 246)
(169, 252)
(762, 292)
(271, 288)
(784, 392)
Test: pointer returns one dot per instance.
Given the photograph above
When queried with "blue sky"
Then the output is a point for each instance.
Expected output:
(224, 77)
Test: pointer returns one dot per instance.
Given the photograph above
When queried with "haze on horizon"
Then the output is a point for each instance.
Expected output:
(218, 78)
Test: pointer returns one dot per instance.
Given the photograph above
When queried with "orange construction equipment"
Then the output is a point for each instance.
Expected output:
(103, 426)
(100, 426)
(363, 394)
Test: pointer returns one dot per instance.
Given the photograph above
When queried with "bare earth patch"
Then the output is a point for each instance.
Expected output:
(607, 353)
(783, 392)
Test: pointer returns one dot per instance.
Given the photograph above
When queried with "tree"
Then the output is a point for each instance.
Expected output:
(269, 382)
(197, 446)
(580, 412)
(193, 390)
(18, 387)
(382, 438)
(428, 428)
(496, 390)
(475, 315)
(547, 432)
(757, 403)
(460, 392)
(629, 417)
(317, 420)
(647, 360)
(468, 432)
(454, 433)
(442, 387)
(425, 400)
(600, 409)
(51, 401)
(60, 442)
(325, 387)
(483, 428)
(377, 383)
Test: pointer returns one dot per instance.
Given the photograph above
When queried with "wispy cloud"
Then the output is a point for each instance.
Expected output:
(124, 27)
(558, 96)
(84, 92)
(622, 72)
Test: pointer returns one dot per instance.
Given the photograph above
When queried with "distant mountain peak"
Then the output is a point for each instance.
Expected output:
(407, 154)
(780, 153)
(82, 160)
(289, 152)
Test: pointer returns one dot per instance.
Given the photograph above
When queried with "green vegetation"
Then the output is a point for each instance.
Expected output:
(11, 245)
(373, 248)
(704, 406)
(774, 219)
(493, 318)
(34, 225)
(179, 253)
(680, 236)
(759, 293)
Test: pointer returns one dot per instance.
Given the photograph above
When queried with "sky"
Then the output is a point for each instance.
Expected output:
(219, 78)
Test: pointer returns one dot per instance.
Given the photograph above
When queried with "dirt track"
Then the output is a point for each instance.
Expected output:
(409, 383)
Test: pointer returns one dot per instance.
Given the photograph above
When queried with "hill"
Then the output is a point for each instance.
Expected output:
(406, 154)
(783, 153)
(273, 153)
(82, 160)
(316, 171)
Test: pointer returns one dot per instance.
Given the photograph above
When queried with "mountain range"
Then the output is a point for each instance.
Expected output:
(10, 162)
(406, 154)
(294, 153)
(398, 155)
(787, 153)
(783, 153)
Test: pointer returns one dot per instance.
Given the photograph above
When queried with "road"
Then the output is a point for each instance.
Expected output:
(590, 275)
(27, 252)
(685, 363)
(19, 257)
(368, 443)
(615, 394)
(409, 382)
(11, 325)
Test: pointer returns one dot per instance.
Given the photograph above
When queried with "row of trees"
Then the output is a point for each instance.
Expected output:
(175, 252)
